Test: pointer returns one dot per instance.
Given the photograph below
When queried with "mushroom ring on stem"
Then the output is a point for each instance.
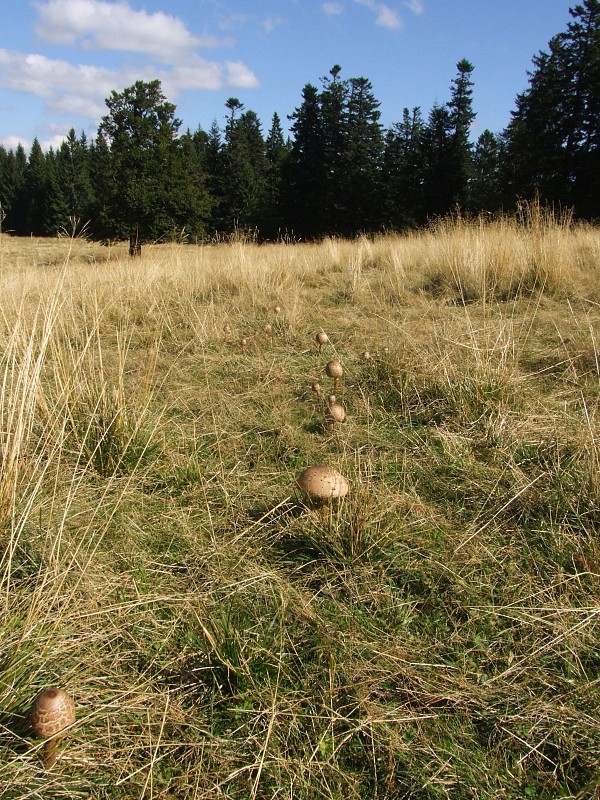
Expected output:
(52, 713)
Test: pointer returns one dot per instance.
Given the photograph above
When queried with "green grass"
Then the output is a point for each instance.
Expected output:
(433, 635)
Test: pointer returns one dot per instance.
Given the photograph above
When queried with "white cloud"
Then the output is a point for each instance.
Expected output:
(239, 76)
(416, 6)
(386, 17)
(80, 90)
(271, 23)
(117, 26)
(13, 141)
(332, 9)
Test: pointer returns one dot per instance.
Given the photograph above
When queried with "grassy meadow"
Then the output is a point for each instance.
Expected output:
(436, 634)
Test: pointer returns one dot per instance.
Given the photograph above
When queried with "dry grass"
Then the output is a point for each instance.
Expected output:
(434, 636)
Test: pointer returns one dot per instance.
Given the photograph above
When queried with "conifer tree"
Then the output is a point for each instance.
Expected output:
(34, 219)
(244, 170)
(403, 172)
(276, 151)
(146, 193)
(304, 169)
(553, 139)
(485, 191)
(361, 162)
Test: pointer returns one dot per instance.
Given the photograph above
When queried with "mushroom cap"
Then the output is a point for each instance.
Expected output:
(322, 337)
(268, 328)
(336, 412)
(322, 482)
(316, 387)
(52, 711)
(277, 309)
(334, 369)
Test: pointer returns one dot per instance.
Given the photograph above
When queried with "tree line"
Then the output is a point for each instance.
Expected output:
(339, 172)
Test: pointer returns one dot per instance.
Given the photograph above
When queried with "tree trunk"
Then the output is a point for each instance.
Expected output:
(135, 246)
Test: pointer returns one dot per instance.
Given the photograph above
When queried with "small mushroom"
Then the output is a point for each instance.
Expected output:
(335, 412)
(322, 484)
(268, 329)
(277, 310)
(321, 339)
(334, 370)
(244, 343)
(52, 713)
(316, 388)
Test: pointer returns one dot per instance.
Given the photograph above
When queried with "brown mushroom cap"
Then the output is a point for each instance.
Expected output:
(268, 328)
(334, 369)
(53, 710)
(336, 412)
(322, 338)
(322, 482)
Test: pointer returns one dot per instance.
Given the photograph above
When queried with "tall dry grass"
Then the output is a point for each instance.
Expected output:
(434, 636)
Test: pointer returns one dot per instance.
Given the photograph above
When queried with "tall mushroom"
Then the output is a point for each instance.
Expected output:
(321, 339)
(335, 412)
(321, 484)
(334, 370)
(52, 713)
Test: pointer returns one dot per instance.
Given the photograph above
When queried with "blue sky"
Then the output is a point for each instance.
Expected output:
(60, 59)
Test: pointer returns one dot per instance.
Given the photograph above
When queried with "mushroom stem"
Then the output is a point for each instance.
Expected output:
(50, 752)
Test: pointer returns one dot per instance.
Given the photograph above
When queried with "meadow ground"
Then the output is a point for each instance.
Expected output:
(433, 635)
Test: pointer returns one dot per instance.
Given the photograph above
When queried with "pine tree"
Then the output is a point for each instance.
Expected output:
(276, 152)
(142, 193)
(553, 139)
(35, 194)
(485, 187)
(244, 171)
(72, 175)
(333, 107)
(359, 184)
(12, 171)
(304, 170)
(403, 172)
(438, 151)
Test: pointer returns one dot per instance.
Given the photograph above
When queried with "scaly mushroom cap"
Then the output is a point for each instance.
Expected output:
(321, 338)
(334, 369)
(336, 412)
(53, 710)
(316, 387)
(323, 483)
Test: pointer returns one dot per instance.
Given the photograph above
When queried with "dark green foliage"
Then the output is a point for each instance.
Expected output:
(244, 169)
(340, 173)
(553, 139)
(146, 190)
(403, 204)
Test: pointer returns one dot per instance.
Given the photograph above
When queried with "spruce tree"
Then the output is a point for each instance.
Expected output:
(485, 187)
(146, 193)
(244, 171)
(439, 167)
(553, 139)
(403, 204)
(276, 151)
(460, 166)
(304, 171)
(359, 183)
